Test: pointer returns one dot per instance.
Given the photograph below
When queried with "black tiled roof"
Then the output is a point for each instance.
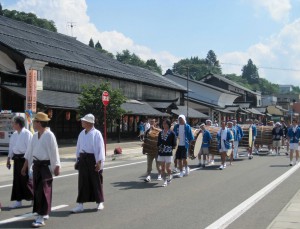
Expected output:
(224, 79)
(141, 108)
(192, 113)
(61, 50)
(194, 89)
(52, 99)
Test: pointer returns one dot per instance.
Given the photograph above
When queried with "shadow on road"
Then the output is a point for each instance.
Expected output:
(125, 185)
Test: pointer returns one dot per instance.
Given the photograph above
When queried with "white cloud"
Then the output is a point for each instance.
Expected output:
(278, 9)
(62, 12)
(278, 56)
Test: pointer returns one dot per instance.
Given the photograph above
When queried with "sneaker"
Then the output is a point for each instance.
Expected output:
(147, 179)
(250, 157)
(181, 174)
(100, 206)
(159, 177)
(187, 171)
(165, 183)
(212, 162)
(224, 166)
(221, 167)
(17, 204)
(45, 217)
(175, 170)
(39, 222)
(170, 179)
(291, 163)
(77, 209)
(286, 153)
(199, 165)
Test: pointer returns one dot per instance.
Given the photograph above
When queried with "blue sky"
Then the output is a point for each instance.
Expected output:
(267, 31)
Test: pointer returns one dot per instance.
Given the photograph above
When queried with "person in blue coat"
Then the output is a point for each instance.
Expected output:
(237, 138)
(293, 135)
(183, 131)
(234, 135)
(206, 141)
(225, 143)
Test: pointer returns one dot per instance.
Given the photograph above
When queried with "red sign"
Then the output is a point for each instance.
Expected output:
(31, 90)
(105, 98)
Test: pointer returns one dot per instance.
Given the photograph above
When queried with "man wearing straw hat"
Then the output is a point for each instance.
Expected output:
(43, 155)
(90, 154)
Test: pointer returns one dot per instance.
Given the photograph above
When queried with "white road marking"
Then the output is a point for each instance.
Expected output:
(14, 219)
(236, 212)
(72, 174)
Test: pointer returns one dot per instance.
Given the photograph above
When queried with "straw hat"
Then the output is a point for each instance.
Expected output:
(41, 117)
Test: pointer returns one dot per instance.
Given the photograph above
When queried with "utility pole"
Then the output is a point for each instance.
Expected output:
(187, 95)
(71, 25)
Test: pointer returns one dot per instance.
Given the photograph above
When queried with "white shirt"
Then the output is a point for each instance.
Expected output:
(295, 128)
(147, 126)
(181, 135)
(91, 142)
(19, 142)
(223, 134)
(43, 148)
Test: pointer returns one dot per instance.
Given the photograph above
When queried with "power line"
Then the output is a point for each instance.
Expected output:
(242, 65)
(265, 67)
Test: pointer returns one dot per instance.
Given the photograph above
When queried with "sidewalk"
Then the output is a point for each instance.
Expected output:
(289, 217)
(129, 149)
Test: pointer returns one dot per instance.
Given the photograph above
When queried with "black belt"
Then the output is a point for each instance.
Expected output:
(18, 156)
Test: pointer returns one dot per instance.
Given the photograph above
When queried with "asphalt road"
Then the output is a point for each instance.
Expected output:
(195, 201)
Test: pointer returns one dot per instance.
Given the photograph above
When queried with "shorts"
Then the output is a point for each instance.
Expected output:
(142, 132)
(166, 159)
(276, 143)
(294, 146)
(181, 153)
(204, 151)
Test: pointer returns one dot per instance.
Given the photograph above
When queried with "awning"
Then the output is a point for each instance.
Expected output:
(141, 108)
(254, 111)
(162, 105)
(274, 111)
(53, 99)
(192, 112)
(225, 111)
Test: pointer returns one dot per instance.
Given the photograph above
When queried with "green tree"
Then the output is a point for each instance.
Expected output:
(198, 67)
(91, 43)
(130, 58)
(90, 101)
(153, 66)
(1, 12)
(98, 46)
(250, 72)
(29, 18)
(213, 63)
(296, 89)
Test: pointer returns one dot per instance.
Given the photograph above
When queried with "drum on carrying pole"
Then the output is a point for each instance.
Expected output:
(195, 145)
(150, 142)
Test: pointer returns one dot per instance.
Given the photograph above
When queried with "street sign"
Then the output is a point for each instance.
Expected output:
(105, 98)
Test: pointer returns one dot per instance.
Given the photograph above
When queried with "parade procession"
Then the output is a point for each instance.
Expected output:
(226, 141)
(98, 130)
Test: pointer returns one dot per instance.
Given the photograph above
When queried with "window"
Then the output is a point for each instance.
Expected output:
(39, 75)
